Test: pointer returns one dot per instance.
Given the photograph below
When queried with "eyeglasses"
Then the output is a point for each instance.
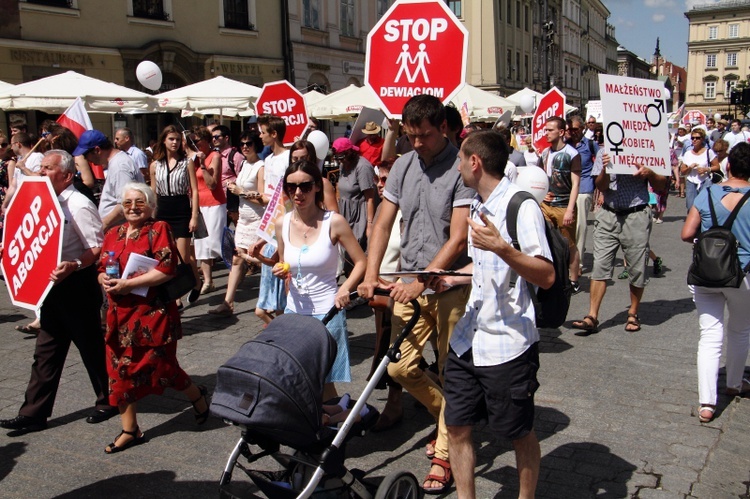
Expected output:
(339, 157)
(305, 187)
(129, 203)
(216, 137)
(246, 144)
(3, 144)
(696, 138)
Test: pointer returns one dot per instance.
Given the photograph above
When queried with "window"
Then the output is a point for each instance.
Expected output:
(499, 10)
(730, 85)
(239, 14)
(509, 12)
(734, 30)
(517, 68)
(526, 17)
(713, 32)
(347, 17)
(63, 4)
(526, 68)
(732, 59)
(518, 14)
(382, 8)
(150, 9)
(710, 90)
(508, 65)
(311, 14)
(455, 6)
(710, 60)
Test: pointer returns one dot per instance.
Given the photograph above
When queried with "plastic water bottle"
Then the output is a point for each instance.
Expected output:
(112, 267)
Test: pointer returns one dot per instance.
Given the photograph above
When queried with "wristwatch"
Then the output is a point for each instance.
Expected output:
(79, 263)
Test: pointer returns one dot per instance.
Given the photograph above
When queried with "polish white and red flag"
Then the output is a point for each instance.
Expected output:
(75, 118)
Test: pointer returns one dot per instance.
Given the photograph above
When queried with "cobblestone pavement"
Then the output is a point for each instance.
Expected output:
(616, 410)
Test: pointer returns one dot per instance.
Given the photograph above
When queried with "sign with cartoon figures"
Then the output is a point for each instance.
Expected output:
(417, 47)
(634, 116)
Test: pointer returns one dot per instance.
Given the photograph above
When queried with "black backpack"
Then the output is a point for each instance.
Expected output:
(715, 260)
(550, 305)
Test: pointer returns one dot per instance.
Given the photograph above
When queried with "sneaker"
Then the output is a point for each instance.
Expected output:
(659, 221)
(623, 275)
(658, 265)
(575, 286)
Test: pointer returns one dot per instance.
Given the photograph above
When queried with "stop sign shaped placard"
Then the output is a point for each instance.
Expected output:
(417, 47)
(551, 104)
(281, 99)
(32, 241)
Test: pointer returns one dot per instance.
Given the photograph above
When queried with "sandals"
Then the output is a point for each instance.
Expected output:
(223, 310)
(584, 324)
(29, 329)
(136, 440)
(445, 481)
(201, 417)
(706, 413)
(633, 324)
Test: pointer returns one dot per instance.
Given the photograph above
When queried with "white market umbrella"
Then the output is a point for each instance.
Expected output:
(480, 104)
(5, 87)
(518, 97)
(219, 95)
(54, 94)
(312, 97)
(345, 103)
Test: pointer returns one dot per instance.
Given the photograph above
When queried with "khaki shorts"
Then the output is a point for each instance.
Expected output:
(556, 214)
(629, 232)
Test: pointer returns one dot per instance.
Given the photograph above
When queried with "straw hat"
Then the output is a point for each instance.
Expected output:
(371, 128)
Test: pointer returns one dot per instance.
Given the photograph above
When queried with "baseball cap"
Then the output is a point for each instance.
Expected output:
(343, 144)
(252, 120)
(89, 140)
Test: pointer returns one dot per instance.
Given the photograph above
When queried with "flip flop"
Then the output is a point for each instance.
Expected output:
(28, 329)
(633, 324)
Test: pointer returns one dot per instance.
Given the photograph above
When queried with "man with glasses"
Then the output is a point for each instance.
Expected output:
(231, 163)
(70, 312)
(718, 132)
(590, 128)
(587, 150)
(95, 147)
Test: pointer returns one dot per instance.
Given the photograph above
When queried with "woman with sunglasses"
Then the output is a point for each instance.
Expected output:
(696, 165)
(356, 188)
(307, 238)
(174, 181)
(212, 201)
(253, 203)
(142, 331)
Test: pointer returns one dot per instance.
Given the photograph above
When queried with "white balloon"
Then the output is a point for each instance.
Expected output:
(717, 116)
(320, 141)
(149, 75)
(534, 180)
(667, 94)
(528, 102)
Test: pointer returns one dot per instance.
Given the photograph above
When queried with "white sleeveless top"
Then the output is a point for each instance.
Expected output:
(313, 283)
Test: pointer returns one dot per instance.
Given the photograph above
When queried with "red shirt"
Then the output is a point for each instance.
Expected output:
(372, 152)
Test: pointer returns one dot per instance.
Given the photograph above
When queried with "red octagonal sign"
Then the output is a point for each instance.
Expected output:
(280, 98)
(32, 241)
(551, 104)
(417, 47)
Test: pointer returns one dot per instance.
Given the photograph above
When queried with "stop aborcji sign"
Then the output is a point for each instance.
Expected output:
(417, 47)
(281, 99)
(32, 241)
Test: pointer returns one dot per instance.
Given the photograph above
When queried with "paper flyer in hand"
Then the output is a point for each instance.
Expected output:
(138, 265)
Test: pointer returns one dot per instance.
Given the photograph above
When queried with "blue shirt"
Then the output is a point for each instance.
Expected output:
(741, 225)
(587, 162)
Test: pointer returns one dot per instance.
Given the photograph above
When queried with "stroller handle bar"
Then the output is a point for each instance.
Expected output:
(393, 352)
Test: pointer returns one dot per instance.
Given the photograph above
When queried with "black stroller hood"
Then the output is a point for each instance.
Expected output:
(274, 383)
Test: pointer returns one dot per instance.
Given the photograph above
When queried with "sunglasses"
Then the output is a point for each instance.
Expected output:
(129, 203)
(382, 179)
(696, 138)
(246, 144)
(339, 157)
(3, 144)
(216, 137)
(305, 187)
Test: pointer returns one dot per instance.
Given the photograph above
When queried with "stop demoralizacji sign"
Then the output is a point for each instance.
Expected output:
(551, 104)
(32, 241)
(280, 98)
(417, 47)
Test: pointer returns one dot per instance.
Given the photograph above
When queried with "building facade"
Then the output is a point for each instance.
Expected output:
(629, 64)
(718, 54)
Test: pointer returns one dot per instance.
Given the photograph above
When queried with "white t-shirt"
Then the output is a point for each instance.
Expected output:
(276, 165)
(33, 163)
(702, 160)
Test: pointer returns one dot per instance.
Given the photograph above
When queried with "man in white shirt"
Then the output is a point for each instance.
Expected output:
(490, 372)
(95, 147)
(736, 134)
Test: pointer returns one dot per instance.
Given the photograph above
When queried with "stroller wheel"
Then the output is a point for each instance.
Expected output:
(399, 485)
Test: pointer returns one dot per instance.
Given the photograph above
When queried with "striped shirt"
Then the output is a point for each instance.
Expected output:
(498, 323)
(174, 182)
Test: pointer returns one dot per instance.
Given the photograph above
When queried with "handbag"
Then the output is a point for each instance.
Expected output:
(201, 231)
(178, 286)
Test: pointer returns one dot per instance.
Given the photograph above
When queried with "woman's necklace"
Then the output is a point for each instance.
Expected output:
(308, 227)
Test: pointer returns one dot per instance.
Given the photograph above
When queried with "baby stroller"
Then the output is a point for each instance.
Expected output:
(272, 389)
